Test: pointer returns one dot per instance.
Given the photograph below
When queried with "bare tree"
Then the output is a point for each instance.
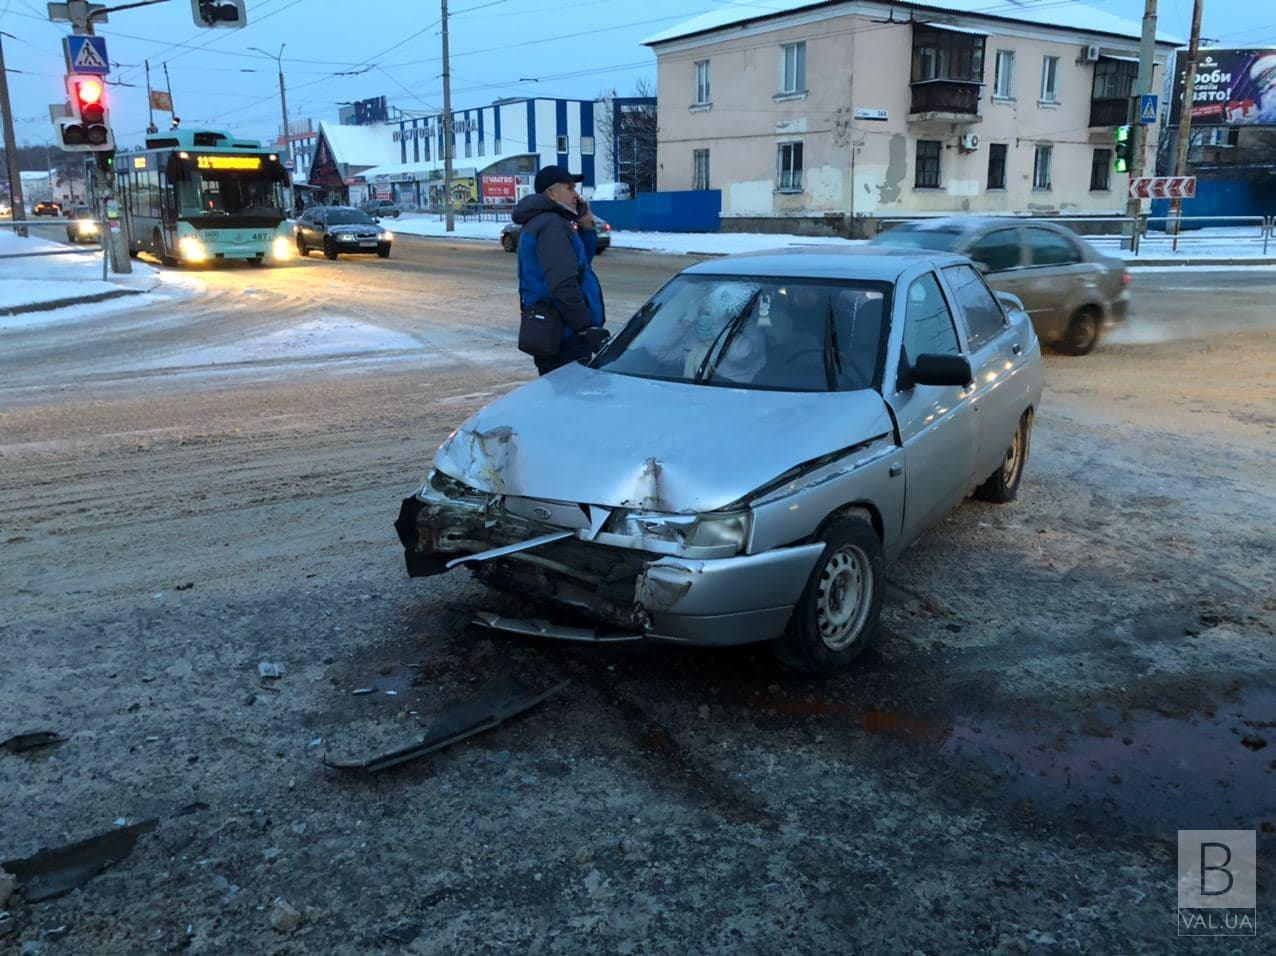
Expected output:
(630, 132)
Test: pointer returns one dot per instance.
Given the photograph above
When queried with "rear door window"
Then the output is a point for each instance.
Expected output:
(999, 250)
(982, 314)
(1051, 249)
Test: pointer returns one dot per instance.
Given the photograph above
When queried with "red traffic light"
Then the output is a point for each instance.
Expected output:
(89, 92)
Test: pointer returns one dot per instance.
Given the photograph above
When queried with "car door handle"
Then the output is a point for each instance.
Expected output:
(1017, 349)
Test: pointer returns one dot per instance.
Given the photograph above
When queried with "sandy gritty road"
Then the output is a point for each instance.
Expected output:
(191, 487)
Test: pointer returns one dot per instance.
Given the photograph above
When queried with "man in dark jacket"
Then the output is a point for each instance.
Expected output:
(555, 250)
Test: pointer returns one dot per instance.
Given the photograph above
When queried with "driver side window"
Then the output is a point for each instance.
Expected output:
(928, 322)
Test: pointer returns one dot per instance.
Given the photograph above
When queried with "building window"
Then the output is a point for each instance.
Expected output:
(1114, 79)
(789, 162)
(996, 165)
(562, 144)
(945, 55)
(1050, 79)
(587, 146)
(702, 83)
(1101, 170)
(927, 164)
(700, 168)
(1041, 164)
(793, 68)
(1004, 81)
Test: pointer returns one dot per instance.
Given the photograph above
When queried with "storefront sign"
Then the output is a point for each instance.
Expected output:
(498, 189)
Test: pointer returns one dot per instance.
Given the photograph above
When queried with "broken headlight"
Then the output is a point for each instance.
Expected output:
(725, 532)
(448, 486)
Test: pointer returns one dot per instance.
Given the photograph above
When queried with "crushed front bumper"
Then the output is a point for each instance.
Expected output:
(719, 601)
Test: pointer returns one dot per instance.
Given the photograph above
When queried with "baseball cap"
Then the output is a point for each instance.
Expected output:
(554, 174)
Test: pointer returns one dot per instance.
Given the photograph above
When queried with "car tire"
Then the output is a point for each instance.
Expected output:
(507, 242)
(1082, 333)
(836, 617)
(329, 250)
(302, 250)
(1003, 484)
(383, 252)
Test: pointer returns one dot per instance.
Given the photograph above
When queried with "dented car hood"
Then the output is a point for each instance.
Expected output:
(596, 437)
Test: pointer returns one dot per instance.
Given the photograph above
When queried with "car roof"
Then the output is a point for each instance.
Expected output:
(827, 262)
(967, 225)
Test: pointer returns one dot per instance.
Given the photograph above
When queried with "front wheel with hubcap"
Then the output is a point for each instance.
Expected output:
(329, 250)
(1003, 484)
(301, 246)
(836, 617)
(1082, 334)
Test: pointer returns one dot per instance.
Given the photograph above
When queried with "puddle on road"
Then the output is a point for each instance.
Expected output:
(1216, 770)
(1156, 773)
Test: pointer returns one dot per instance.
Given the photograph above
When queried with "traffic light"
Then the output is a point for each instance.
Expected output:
(87, 128)
(219, 13)
(1122, 162)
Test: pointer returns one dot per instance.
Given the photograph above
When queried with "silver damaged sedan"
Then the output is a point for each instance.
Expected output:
(745, 458)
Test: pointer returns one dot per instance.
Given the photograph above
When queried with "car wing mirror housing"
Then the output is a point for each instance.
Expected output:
(1010, 302)
(935, 368)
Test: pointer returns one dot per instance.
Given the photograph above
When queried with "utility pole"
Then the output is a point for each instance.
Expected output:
(17, 212)
(1138, 132)
(283, 97)
(447, 131)
(1185, 111)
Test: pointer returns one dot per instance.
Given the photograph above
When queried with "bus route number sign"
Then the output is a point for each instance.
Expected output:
(228, 162)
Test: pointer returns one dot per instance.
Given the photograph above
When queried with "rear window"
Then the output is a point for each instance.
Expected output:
(915, 236)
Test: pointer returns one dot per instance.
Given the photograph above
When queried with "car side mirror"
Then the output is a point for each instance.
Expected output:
(1009, 301)
(935, 368)
(983, 267)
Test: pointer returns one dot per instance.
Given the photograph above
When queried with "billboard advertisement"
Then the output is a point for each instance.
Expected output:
(499, 189)
(1233, 88)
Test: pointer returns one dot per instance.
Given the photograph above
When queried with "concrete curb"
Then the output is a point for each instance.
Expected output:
(73, 300)
(1220, 261)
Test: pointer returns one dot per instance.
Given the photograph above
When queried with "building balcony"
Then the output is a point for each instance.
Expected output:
(1112, 112)
(945, 101)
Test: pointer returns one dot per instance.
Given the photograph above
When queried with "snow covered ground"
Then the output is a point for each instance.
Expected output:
(1215, 243)
(53, 278)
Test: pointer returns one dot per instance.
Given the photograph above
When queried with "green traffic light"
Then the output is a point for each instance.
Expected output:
(1123, 134)
(1121, 165)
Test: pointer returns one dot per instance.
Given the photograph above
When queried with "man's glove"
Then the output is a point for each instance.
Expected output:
(595, 338)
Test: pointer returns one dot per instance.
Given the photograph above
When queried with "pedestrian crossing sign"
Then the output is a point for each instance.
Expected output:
(86, 55)
(1147, 109)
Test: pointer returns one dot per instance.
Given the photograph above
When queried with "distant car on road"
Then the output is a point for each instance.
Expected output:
(744, 458)
(338, 229)
(82, 226)
(512, 230)
(47, 207)
(1072, 292)
(382, 208)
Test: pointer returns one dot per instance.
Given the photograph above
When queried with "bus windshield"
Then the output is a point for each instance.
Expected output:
(207, 193)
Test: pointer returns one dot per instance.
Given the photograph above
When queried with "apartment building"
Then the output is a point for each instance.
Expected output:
(830, 115)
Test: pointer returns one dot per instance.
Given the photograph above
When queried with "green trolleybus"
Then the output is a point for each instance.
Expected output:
(201, 195)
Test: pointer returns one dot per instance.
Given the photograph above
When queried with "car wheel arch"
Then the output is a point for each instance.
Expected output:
(862, 508)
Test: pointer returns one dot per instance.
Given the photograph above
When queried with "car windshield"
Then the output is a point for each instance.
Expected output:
(918, 236)
(342, 217)
(797, 335)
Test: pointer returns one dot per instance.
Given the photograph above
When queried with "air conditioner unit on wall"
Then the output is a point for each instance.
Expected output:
(1090, 52)
(968, 143)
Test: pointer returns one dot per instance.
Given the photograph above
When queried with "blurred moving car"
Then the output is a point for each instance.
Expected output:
(82, 227)
(742, 460)
(338, 229)
(381, 208)
(47, 207)
(512, 230)
(1072, 292)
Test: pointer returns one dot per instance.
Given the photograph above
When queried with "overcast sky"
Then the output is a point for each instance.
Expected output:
(353, 49)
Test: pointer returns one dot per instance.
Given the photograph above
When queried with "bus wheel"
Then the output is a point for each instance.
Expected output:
(157, 241)
(258, 261)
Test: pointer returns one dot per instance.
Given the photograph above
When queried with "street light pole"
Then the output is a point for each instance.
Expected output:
(447, 132)
(16, 210)
(283, 96)
(1143, 85)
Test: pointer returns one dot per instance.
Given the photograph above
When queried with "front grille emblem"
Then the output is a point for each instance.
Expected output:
(541, 512)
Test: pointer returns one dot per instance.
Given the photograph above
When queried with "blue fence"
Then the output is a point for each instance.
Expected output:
(698, 210)
(1220, 197)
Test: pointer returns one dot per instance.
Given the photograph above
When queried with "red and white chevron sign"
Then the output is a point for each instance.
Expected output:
(1163, 187)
